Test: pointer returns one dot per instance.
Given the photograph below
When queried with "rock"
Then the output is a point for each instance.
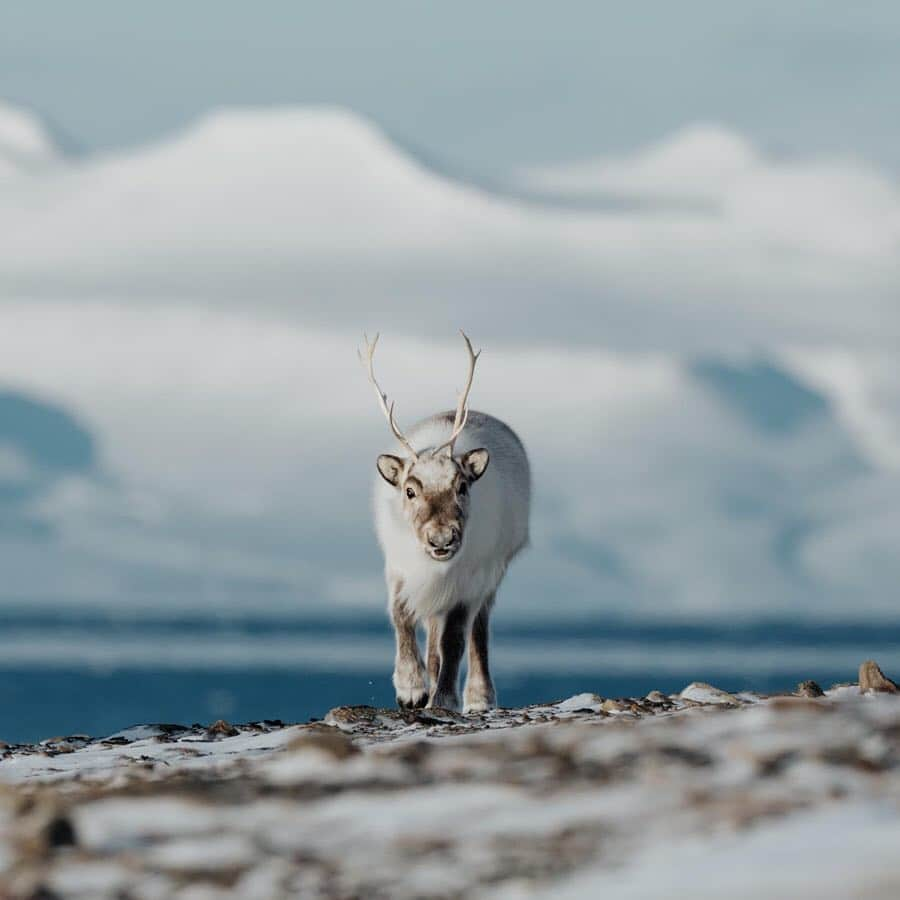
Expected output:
(159, 732)
(809, 688)
(61, 747)
(434, 715)
(794, 704)
(329, 740)
(42, 826)
(221, 728)
(871, 678)
(348, 716)
(59, 832)
(701, 692)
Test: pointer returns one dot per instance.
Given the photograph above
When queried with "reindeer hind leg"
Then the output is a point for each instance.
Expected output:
(433, 653)
(452, 645)
(479, 695)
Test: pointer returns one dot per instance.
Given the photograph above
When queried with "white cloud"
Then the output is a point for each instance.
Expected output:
(196, 305)
(695, 165)
(312, 215)
(25, 144)
(865, 391)
(241, 449)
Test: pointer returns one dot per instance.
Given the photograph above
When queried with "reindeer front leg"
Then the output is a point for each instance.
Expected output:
(452, 643)
(409, 678)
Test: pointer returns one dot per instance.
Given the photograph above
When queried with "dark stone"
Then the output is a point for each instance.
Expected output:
(42, 892)
(221, 728)
(59, 832)
(810, 688)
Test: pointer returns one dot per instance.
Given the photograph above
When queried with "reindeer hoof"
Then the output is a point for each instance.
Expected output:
(445, 701)
(474, 707)
(412, 701)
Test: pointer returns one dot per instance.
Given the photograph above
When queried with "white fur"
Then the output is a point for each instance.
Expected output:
(496, 528)
(410, 679)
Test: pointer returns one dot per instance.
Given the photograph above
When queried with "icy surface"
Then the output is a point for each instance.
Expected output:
(700, 794)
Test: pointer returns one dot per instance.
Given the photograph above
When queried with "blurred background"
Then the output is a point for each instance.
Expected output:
(674, 233)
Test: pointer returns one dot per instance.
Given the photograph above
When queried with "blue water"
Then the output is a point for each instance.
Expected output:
(52, 695)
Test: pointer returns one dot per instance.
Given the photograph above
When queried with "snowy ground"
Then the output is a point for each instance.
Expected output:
(700, 794)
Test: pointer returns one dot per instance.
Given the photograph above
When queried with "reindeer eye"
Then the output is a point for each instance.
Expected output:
(463, 489)
(410, 493)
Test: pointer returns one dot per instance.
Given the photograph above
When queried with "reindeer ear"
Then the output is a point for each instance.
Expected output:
(475, 462)
(390, 468)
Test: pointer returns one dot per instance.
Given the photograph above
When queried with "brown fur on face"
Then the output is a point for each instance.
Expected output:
(435, 495)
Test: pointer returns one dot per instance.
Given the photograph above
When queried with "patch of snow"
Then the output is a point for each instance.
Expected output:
(843, 690)
(209, 853)
(580, 701)
(702, 800)
(136, 733)
(830, 854)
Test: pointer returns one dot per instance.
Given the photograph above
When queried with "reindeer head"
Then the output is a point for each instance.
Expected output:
(433, 484)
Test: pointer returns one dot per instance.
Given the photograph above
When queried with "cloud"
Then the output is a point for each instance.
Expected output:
(26, 144)
(693, 168)
(313, 216)
(702, 370)
(240, 456)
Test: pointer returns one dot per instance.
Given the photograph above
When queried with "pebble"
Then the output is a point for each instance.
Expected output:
(221, 728)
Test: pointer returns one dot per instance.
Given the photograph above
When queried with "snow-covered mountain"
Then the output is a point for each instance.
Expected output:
(699, 354)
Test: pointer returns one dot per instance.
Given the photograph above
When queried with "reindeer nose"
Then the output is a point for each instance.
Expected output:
(442, 538)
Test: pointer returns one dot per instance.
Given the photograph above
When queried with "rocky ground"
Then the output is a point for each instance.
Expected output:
(698, 794)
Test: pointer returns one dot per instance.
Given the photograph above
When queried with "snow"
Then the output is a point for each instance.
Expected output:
(686, 796)
(208, 854)
(580, 701)
(828, 854)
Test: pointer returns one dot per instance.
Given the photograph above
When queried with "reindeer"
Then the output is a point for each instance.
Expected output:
(451, 512)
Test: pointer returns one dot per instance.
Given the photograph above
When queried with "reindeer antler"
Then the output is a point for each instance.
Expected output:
(388, 411)
(462, 408)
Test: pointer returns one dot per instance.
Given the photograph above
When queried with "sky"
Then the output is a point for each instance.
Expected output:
(675, 239)
(479, 87)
